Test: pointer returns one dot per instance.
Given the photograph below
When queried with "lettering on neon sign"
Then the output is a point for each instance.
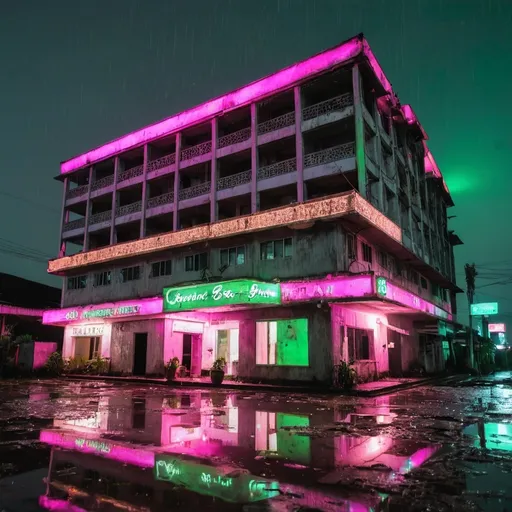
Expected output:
(97, 446)
(88, 330)
(221, 294)
(110, 312)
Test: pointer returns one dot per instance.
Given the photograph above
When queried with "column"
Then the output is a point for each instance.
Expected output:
(175, 217)
(359, 123)
(392, 136)
(378, 157)
(299, 143)
(117, 169)
(214, 210)
(88, 210)
(64, 216)
(147, 158)
(414, 171)
(254, 158)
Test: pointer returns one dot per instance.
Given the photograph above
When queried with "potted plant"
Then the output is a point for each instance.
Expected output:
(170, 369)
(217, 371)
(346, 375)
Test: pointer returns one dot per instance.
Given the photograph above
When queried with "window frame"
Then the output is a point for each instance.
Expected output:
(287, 243)
(161, 264)
(81, 282)
(129, 274)
(238, 249)
(369, 250)
(196, 261)
(106, 278)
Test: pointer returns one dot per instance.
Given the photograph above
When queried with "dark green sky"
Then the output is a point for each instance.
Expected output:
(76, 74)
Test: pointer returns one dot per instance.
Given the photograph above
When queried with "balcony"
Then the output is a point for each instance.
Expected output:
(129, 174)
(160, 200)
(73, 225)
(196, 151)
(330, 155)
(337, 104)
(234, 180)
(234, 138)
(77, 192)
(277, 169)
(101, 217)
(107, 181)
(129, 209)
(277, 123)
(195, 191)
(161, 163)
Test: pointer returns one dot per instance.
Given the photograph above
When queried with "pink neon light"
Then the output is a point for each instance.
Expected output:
(56, 505)
(497, 328)
(125, 454)
(150, 306)
(14, 310)
(339, 287)
(248, 94)
(386, 84)
(410, 300)
(422, 455)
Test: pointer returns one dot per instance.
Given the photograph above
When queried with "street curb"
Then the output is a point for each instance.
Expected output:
(279, 389)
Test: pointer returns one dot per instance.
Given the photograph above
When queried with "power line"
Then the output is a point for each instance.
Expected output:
(29, 201)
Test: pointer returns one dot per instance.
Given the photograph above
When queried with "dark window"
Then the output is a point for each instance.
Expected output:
(351, 248)
(276, 249)
(232, 256)
(434, 288)
(367, 253)
(102, 278)
(413, 277)
(130, 274)
(424, 283)
(77, 282)
(383, 259)
(196, 262)
(359, 343)
(161, 268)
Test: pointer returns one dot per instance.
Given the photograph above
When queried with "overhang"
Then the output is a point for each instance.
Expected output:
(17, 311)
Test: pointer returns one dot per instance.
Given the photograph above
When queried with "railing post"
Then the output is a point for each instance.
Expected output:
(175, 217)
(359, 124)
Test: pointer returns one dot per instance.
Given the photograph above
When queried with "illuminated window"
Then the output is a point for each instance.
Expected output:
(282, 342)
(276, 249)
(232, 256)
(94, 348)
(359, 344)
(196, 262)
(130, 274)
(77, 282)
(102, 278)
(161, 268)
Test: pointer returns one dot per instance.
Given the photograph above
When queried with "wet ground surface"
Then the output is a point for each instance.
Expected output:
(75, 446)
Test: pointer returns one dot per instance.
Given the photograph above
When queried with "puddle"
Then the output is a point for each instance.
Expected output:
(104, 448)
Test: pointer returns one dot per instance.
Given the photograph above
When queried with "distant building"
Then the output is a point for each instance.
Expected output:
(290, 224)
(22, 303)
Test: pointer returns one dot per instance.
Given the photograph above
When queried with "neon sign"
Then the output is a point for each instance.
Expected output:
(229, 293)
(484, 309)
(500, 328)
(96, 446)
(226, 483)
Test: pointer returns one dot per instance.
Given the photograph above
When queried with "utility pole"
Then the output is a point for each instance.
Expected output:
(471, 273)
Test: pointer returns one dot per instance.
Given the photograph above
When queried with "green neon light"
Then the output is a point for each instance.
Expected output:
(382, 286)
(109, 312)
(213, 481)
(484, 309)
(228, 293)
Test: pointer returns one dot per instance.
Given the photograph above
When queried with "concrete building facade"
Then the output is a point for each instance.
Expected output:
(309, 196)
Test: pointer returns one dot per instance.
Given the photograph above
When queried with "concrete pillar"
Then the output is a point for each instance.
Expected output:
(392, 135)
(359, 124)
(117, 169)
(414, 172)
(147, 159)
(214, 210)
(63, 217)
(88, 209)
(299, 143)
(378, 156)
(254, 158)
(175, 219)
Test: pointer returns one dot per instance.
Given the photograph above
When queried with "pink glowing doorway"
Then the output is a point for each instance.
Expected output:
(192, 353)
(395, 353)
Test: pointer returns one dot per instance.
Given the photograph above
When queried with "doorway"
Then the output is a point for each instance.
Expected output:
(395, 353)
(186, 359)
(140, 353)
(227, 347)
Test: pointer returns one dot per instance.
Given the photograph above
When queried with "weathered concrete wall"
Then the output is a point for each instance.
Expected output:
(351, 316)
(320, 353)
(410, 344)
(123, 345)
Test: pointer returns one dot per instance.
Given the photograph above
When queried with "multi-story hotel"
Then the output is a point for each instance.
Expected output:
(296, 222)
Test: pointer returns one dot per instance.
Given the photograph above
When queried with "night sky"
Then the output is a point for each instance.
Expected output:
(77, 74)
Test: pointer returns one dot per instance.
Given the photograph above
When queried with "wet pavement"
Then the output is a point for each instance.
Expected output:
(102, 446)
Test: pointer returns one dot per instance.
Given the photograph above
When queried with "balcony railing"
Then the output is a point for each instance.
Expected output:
(195, 151)
(98, 218)
(277, 169)
(330, 155)
(127, 209)
(134, 172)
(326, 107)
(103, 182)
(74, 224)
(234, 180)
(160, 163)
(234, 138)
(195, 191)
(77, 191)
(277, 123)
(161, 200)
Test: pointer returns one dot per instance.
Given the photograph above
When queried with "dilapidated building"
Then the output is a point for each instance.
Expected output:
(293, 223)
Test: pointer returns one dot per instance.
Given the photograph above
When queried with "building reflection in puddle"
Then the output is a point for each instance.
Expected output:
(133, 451)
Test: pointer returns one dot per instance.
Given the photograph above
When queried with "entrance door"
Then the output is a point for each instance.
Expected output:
(186, 359)
(140, 353)
(395, 353)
